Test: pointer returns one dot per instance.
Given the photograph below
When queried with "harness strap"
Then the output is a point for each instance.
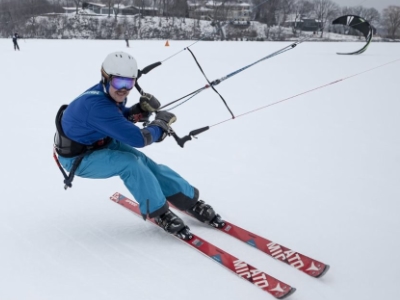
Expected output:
(77, 162)
(70, 177)
(67, 148)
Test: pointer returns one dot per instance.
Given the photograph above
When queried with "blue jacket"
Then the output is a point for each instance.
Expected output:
(94, 115)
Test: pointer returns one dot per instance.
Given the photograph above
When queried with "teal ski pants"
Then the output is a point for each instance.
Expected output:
(150, 183)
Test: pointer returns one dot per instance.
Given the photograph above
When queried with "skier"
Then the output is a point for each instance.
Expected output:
(15, 38)
(96, 138)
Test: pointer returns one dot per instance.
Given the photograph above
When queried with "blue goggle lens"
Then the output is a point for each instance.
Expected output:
(120, 83)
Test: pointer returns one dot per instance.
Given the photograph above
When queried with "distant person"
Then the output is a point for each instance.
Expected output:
(127, 43)
(15, 38)
(97, 138)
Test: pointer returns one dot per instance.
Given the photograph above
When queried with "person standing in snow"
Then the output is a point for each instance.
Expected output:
(97, 138)
(15, 38)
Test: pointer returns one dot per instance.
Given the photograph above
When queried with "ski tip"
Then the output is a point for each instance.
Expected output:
(326, 269)
(291, 291)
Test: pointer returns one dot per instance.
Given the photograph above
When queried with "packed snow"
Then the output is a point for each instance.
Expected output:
(311, 162)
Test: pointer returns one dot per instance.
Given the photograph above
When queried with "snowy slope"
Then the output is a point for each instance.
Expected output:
(318, 173)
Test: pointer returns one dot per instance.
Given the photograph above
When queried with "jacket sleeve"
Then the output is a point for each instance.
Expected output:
(106, 117)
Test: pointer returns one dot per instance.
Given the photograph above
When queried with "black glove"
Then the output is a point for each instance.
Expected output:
(163, 120)
(149, 103)
(140, 112)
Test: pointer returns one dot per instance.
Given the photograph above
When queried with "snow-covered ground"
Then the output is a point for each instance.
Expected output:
(318, 173)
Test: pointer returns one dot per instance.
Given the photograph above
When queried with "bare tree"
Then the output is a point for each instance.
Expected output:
(372, 15)
(357, 10)
(219, 10)
(35, 8)
(143, 4)
(265, 11)
(391, 20)
(301, 9)
(7, 17)
(285, 7)
(110, 5)
(324, 11)
(113, 7)
(178, 8)
(15, 14)
(117, 9)
(78, 4)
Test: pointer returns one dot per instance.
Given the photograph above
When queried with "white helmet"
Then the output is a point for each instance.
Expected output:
(119, 64)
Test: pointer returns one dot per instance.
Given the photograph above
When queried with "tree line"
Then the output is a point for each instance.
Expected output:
(16, 15)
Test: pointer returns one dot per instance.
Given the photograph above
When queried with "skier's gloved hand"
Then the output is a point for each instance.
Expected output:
(137, 114)
(140, 112)
(163, 120)
(149, 103)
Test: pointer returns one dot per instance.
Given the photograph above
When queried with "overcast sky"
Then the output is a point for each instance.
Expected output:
(378, 4)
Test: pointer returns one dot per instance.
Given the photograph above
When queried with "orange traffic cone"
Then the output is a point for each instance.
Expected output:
(167, 44)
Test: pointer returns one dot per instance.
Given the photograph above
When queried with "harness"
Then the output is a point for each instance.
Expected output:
(65, 147)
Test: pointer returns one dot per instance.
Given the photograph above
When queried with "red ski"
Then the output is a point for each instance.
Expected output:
(300, 261)
(267, 283)
(297, 260)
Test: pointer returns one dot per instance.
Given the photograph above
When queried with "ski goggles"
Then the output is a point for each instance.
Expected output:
(120, 83)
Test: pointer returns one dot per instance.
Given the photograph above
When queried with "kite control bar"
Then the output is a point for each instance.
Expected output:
(181, 141)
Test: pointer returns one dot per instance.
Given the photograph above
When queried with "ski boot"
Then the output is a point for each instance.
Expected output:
(206, 214)
(184, 234)
(172, 224)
